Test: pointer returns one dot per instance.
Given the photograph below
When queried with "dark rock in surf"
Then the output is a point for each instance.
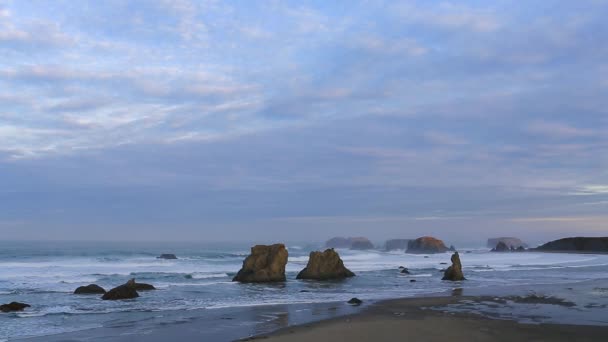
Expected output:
(167, 256)
(125, 291)
(13, 306)
(265, 264)
(509, 241)
(90, 289)
(325, 266)
(405, 271)
(355, 301)
(454, 272)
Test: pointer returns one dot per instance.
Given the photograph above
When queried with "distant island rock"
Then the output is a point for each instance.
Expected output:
(325, 266)
(454, 272)
(90, 289)
(265, 264)
(358, 243)
(510, 242)
(125, 291)
(426, 245)
(167, 256)
(14, 306)
(396, 244)
(577, 245)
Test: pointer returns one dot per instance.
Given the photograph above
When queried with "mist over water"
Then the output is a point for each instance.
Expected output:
(45, 275)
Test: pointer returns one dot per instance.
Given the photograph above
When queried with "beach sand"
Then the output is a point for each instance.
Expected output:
(412, 320)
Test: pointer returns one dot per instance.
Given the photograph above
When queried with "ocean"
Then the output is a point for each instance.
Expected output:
(45, 274)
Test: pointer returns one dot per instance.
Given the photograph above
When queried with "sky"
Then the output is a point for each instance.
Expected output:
(302, 120)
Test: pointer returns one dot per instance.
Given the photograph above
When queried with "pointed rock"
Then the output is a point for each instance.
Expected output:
(454, 272)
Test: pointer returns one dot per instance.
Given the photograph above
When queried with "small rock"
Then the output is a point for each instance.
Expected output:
(167, 256)
(355, 301)
(14, 306)
(412, 280)
(405, 271)
(90, 289)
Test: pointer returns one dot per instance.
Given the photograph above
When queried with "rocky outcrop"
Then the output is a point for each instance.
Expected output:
(167, 257)
(501, 247)
(577, 245)
(520, 249)
(325, 266)
(396, 244)
(509, 241)
(265, 264)
(14, 306)
(426, 245)
(125, 291)
(454, 272)
(90, 289)
(359, 243)
(355, 301)
(144, 287)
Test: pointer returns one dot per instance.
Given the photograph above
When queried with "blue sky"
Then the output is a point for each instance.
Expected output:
(301, 120)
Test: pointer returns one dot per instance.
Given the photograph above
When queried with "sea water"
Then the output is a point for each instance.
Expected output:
(45, 274)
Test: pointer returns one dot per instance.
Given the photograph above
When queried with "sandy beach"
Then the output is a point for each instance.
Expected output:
(411, 319)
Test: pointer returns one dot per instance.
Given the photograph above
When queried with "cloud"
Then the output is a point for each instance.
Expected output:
(449, 16)
(558, 130)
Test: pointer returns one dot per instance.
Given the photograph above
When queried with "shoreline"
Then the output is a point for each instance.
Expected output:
(426, 319)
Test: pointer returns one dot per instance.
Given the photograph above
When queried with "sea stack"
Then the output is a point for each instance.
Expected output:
(357, 243)
(265, 264)
(454, 272)
(325, 266)
(426, 245)
(501, 247)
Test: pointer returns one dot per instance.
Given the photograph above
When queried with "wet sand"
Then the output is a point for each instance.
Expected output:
(413, 320)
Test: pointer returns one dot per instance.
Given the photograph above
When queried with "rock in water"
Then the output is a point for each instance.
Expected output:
(454, 272)
(14, 306)
(167, 256)
(520, 249)
(125, 291)
(324, 266)
(355, 301)
(265, 264)
(501, 247)
(361, 243)
(577, 244)
(426, 244)
(509, 241)
(338, 242)
(90, 289)
(144, 287)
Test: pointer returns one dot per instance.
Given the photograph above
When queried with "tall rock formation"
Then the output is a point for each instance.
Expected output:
(454, 272)
(325, 266)
(265, 264)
